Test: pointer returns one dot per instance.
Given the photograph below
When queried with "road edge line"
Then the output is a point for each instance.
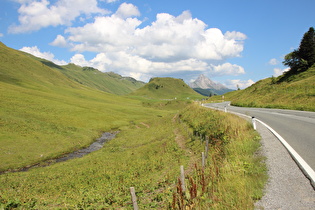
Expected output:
(305, 168)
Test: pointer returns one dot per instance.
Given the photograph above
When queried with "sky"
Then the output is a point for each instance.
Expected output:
(234, 42)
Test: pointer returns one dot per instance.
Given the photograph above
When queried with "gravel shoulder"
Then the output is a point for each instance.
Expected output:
(287, 187)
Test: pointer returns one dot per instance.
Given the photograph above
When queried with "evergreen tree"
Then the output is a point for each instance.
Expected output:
(304, 57)
(307, 47)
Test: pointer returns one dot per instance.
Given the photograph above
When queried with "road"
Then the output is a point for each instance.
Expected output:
(296, 127)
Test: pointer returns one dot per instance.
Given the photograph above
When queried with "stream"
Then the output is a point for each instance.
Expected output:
(96, 145)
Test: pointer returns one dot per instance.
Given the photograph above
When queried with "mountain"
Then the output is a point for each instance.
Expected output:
(205, 86)
(166, 88)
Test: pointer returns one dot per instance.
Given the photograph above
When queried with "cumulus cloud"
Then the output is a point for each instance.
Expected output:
(1, 34)
(127, 10)
(169, 38)
(34, 14)
(60, 41)
(45, 55)
(136, 66)
(227, 69)
(273, 61)
(170, 44)
(167, 45)
(237, 83)
(277, 71)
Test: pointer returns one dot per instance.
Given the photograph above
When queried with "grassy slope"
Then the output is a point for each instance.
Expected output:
(296, 92)
(43, 114)
(88, 76)
(41, 105)
(166, 88)
(108, 82)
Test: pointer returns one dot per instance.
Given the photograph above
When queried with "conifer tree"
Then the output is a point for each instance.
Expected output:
(307, 47)
(304, 57)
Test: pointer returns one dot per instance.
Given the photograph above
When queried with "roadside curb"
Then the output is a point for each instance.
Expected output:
(306, 169)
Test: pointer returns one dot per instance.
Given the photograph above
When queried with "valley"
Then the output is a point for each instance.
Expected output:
(46, 114)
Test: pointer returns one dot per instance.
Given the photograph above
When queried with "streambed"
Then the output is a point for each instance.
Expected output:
(96, 145)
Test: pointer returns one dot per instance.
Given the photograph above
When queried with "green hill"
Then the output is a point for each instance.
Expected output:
(166, 88)
(109, 82)
(105, 81)
(289, 91)
(43, 113)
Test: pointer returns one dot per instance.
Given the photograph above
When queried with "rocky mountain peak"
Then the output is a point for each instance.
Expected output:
(205, 83)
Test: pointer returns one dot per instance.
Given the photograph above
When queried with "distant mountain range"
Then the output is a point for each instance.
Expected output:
(207, 87)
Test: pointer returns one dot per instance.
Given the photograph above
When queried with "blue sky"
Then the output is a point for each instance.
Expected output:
(234, 42)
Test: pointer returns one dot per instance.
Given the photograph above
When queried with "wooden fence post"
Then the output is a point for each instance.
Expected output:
(182, 178)
(134, 198)
(207, 147)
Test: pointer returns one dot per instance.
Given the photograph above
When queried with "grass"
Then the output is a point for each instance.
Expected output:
(235, 174)
(295, 92)
(140, 156)
(168, 89)
(108, 81)
(44, 114)
(147, 156)
(38, 121)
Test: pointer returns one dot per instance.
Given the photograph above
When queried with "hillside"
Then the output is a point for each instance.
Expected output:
(166, 88)
(105, 81)
(109, 82)
(47, 114)
(207, 87)
(44, 115)
(287, 92)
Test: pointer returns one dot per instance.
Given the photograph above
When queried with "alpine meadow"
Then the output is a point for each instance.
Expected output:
(108, 104)
(48, 111)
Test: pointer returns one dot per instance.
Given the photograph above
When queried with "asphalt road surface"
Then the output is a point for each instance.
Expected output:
(296, 127)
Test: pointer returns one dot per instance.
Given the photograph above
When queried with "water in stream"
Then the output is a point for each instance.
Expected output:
(98, 144)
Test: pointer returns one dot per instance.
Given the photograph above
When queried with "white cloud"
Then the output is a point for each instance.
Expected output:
(236, 83)
(136, 66)
(227, 69)
(167, 45)
(60, 41)
(277, 71)
(273, 61)
(168, 38)
(34, 14)
(1, 34)
(235, 35)
(46, 55)
(127, 10)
